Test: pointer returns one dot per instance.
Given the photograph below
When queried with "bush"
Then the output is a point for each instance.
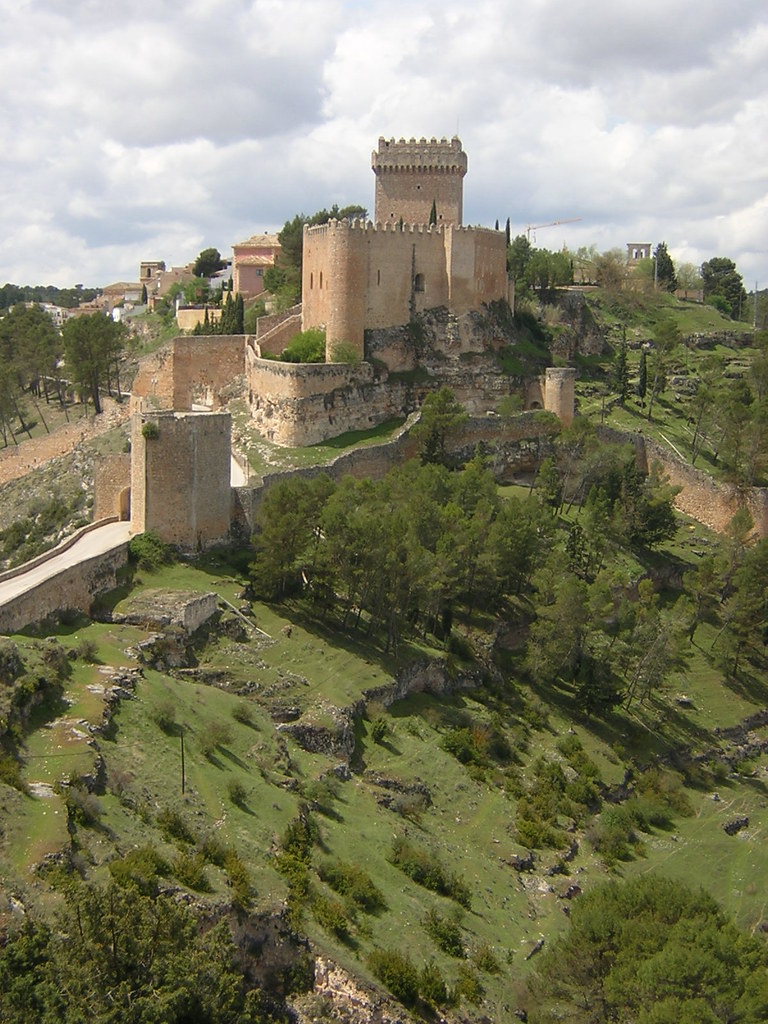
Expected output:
(330, 915)
(355, 883)
(239, 879)
(149, 552)
(189, 869)
(468, 985)
(485, 960)
(237, 792)
(379, 729)
(174, 826)
(88, 651)
(425, 869)
(10, 773)
(217, 734)
(243, 713)
(83, 808)
(150, 430)
(613, 835)
(140, 868)
(446, 934)
(396, 971)
(164, 716)
(305, 347)
(432, 987)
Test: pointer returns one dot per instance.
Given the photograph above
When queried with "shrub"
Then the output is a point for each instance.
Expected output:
(425, 869)
(88, 651)
(214, 850)
(396, 971)
(344, 352)
(446, 934)
(468, 985)
(217, 734)
(379, 729)
(613, 834)
(140, 868)
(300, 836)
(164, 716)
(237, 792)
(239, 879)
(354, 882)
(149, 552)
(189, 869)
(173, 825)
(10, 773)
(485, 960)
(330, 915)
(305, 347)
(432, 987)
(243, 713)
(321, 794)
(83, 808)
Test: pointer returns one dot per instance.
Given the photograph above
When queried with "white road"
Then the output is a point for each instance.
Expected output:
(96, 542)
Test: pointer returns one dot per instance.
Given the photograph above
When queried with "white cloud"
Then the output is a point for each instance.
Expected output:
(135, 131)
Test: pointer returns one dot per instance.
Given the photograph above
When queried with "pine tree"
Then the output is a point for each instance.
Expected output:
(665, 269)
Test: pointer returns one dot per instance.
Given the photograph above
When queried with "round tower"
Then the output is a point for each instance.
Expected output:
(419, 181)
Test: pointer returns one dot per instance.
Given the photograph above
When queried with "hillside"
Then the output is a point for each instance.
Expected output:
(444, 798)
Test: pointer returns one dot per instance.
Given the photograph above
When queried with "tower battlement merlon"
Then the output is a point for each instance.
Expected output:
(419, 155)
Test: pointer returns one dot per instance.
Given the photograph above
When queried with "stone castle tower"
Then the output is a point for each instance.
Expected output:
(411, 176)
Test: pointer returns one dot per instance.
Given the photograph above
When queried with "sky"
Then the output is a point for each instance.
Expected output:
(152, 130)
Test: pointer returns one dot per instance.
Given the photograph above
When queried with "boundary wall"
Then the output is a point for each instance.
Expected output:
(191, 371)
(76, 587)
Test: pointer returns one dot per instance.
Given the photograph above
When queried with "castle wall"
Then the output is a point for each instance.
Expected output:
(76, 587)
(362, 276)
(111, 479)
(303, 403)
(190, 371)
(180, 479)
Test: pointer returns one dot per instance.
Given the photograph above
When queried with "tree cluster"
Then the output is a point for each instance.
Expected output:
(231, 321)
(68, 298)
(723, 286)
(93, 346)
(117, 956)
(652, 951)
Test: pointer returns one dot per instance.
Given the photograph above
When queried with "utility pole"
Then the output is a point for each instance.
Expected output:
(181, 737)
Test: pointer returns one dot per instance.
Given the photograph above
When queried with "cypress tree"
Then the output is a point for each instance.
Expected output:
(433, 213)
(642, 379)
(508, 233)
(239, 314)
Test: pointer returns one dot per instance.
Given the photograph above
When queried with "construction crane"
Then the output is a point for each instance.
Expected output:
(553, 223)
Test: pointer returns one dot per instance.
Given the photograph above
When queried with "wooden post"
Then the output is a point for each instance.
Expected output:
(181, 736)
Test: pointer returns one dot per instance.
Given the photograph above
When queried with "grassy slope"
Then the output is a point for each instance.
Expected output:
(470, 823)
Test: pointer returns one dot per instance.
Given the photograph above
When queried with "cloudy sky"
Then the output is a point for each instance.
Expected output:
(154, 129)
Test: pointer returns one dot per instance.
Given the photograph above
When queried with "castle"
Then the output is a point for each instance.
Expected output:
(372, 286)
(415, 256)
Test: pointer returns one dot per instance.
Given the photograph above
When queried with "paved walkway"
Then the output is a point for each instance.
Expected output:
(96, 542)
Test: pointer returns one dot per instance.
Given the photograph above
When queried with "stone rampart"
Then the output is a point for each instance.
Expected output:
(275, 340)
(412, 175)
(74, 588)
(707, 500)
(191, 371)
(111, 487)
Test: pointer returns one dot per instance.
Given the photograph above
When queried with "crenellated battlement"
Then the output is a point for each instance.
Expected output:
(390, 228)
(419, 156)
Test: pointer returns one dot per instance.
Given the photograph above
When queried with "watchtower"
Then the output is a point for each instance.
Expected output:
(412, 176)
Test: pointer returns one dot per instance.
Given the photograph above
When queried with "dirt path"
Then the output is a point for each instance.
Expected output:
(18, 460)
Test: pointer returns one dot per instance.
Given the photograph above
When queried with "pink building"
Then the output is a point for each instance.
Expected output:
(251, 259)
